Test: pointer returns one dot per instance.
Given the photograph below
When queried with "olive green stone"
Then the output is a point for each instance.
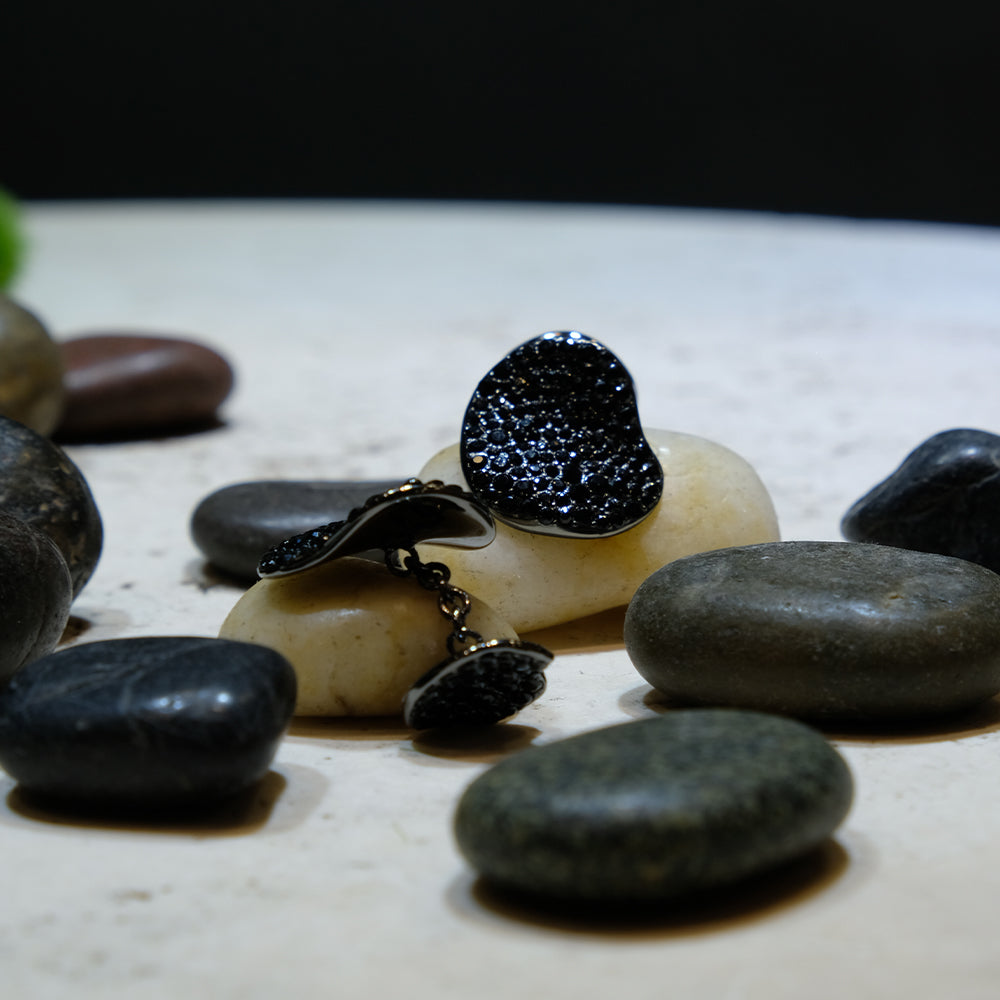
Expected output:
(654, 809)
(31, 369)
(822, 630)
(41, 485)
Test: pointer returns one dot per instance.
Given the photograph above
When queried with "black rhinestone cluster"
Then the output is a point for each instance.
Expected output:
(299, 549)
(488, 687)
(552, 440)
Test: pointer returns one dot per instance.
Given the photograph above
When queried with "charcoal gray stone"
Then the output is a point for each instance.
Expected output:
(234, 526)
(40, 484)
(654, 809)
(944, 497)
(823, 630)
(145, 722)
(35, 594)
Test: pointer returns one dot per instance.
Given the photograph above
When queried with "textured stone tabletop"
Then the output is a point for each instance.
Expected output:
(820, 350)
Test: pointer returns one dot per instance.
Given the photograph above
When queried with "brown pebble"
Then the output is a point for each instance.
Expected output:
(120, 385)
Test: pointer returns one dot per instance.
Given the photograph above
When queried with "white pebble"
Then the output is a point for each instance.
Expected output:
(357, 636)
(712, 498)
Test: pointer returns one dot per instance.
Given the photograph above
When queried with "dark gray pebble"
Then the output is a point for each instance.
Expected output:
(234, 526)
(35, 594)
(146, 722)
(654, 809)
(944, 498)
(40, 484)
(823, 630)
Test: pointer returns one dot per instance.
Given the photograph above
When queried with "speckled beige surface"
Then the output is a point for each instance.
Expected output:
(819, 350)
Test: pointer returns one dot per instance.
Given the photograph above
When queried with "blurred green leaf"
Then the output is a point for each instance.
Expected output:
(11, 238)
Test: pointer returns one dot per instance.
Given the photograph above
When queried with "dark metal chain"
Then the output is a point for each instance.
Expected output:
(453, 602)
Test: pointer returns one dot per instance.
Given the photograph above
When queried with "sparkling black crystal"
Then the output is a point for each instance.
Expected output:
(483, 685)
(551, 440)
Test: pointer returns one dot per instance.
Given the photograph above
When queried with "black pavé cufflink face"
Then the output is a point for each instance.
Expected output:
(551, 441)
(484, 684)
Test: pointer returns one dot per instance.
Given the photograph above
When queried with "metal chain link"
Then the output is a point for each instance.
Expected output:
(453, 602)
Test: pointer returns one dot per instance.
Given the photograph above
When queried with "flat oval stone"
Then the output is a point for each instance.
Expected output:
(943, 498)
(823, 630)
(234, 526)
(151, 721)
(35, 594)
(41, 485)
(711, 498)
(31, 369)
(654, 809)
(123, 384)
(358, 636)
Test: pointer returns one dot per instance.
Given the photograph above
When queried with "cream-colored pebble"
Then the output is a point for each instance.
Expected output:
(357, 636)
(712, 498)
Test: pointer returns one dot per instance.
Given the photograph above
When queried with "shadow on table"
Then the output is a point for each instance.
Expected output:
(643, 701)
(207, 576)
(351, 728)
(763, 895)
(236, 815)
(478, 745)
(484, 745)
(594, 634)
(126, 435)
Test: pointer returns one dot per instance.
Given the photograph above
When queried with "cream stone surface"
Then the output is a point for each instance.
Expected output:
(712, 498)
(820, 350)
(357, 636)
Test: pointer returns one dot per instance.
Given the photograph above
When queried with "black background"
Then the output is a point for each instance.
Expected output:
(875, 109)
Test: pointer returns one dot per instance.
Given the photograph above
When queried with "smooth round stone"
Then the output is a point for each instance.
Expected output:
(145, 721)
(31, 369)
(943, 498)
(711, 498)
(836, 631)
(35, 594)
(358, 636)
(654, 809)
(234, 526)
(131, 384)
(41, 485)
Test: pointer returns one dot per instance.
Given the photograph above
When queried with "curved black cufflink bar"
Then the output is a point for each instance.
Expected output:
(481, 682)
(397, 519)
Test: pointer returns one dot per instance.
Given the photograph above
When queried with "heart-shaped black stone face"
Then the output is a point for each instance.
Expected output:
(484, 684)
(397, 519)
(552, 443)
